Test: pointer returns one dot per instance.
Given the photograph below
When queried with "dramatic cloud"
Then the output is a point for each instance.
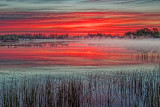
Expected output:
(78, 16)
(80, 5)
(77, 22)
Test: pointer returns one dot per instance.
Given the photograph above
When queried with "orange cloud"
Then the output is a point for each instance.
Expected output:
(77, 22)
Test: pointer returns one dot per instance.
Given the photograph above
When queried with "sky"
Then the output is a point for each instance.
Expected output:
(78, 17)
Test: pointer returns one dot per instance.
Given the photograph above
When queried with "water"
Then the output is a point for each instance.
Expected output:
(110, 72)
(79, 53)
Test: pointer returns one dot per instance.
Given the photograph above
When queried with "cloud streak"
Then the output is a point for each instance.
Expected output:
(80, 16)
(80, 5)
(77, 22)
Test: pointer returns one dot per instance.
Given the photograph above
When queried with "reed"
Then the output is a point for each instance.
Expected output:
(136, 88)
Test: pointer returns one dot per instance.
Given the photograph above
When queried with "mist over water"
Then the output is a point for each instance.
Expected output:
(88, 52)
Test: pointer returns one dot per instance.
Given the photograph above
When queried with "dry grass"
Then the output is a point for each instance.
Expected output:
(123, 89)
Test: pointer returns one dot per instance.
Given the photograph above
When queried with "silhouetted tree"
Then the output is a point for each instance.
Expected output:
(156, 33)
(144, 32)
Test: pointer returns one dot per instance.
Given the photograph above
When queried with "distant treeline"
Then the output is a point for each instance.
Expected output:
(15, 37)
(140, 33)
(144, 32)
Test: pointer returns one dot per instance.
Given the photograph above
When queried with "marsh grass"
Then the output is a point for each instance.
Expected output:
(147, 57)
(134, 89)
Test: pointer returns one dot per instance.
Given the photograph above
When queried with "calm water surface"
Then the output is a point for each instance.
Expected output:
(76, 53)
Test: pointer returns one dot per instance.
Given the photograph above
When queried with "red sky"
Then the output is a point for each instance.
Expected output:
(109, 22)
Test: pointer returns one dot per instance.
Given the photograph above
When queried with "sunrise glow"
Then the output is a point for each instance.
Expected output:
(86, 17)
